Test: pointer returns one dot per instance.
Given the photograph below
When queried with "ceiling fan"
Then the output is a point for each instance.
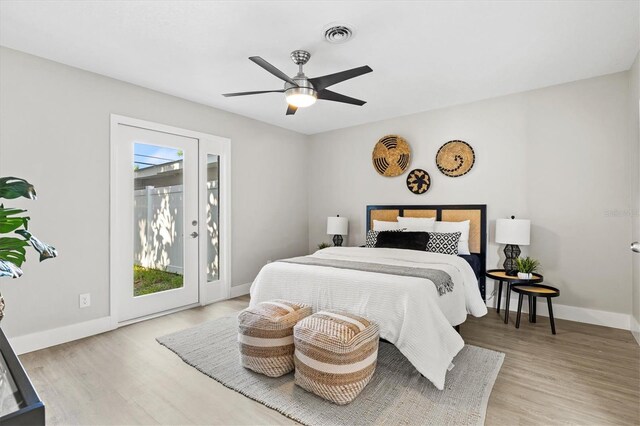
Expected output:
(301, 91)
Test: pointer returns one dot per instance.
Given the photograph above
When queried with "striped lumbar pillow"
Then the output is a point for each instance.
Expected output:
(265, 336)
(335, 354)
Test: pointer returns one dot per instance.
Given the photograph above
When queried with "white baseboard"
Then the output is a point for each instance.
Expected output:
(56, 336)
(571, 313)
(240, 290)
(635, 329)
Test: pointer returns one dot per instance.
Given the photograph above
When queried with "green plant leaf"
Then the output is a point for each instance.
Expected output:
(10, 224)
(13, 250)
(14, 256)
(12, 243)
(527, 265)
(13, 187)
(5, 211)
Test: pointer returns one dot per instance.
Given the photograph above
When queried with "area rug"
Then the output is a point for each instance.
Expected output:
(397, 393)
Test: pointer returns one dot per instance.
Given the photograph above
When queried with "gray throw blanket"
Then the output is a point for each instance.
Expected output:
(440, 279)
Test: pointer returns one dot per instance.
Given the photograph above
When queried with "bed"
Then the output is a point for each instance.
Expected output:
(412, 311)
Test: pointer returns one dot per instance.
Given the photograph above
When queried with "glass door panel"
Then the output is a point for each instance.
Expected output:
(213, 217)
(158, 220)
(214, 198)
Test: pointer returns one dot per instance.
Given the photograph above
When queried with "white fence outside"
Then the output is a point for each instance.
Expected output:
(158, 238)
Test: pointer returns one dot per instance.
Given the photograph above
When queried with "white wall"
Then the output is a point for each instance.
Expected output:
(54, 131)
(634, 157)
(555, 155)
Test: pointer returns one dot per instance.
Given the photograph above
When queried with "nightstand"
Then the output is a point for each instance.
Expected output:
(533, 292)
(501, 276)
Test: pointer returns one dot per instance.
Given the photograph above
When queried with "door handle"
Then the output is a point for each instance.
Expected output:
(635, 247)
(194, 234)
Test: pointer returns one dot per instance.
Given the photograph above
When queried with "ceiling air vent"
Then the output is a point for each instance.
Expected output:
(338, 33)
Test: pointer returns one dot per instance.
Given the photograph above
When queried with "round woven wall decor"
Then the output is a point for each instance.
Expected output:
(418, 181)
(391, 156)
(455, 158)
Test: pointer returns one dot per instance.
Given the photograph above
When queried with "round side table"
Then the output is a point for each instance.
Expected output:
(501, 276)
(533, 292)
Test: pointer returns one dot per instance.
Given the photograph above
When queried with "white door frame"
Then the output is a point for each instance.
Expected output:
(208, 293)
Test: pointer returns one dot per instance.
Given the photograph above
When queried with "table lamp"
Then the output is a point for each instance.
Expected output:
(337, 226)
(512, 232)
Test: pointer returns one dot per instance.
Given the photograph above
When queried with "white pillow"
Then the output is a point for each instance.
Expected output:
(424, 224)
(381, 225)
(462, 227)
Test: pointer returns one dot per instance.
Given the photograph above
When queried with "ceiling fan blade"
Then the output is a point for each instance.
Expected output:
(228, 95)
(328, 95)
(273, 70)
(291, 109)
(329, 80)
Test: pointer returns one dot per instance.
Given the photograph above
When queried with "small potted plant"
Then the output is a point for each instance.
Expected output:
(526, 267)
(323, 245)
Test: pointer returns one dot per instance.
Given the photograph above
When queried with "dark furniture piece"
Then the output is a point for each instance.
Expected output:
(501, 276)
(20, 405)
(511, 253)
(533, 292)
(475, 213)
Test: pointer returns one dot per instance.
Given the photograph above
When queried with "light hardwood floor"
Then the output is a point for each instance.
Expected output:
(584, 375)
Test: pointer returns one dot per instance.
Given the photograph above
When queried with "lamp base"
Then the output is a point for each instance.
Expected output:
(511, 253)
(337, 240)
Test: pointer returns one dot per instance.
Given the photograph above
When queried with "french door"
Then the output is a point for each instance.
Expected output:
(168, 246)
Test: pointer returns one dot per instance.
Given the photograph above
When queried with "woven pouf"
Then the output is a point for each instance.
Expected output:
(335, 354)
(265, 336)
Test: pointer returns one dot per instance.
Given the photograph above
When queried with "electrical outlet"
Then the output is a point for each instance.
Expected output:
(85, 300)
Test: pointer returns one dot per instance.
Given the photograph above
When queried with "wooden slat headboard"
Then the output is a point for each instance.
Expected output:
(475, 213)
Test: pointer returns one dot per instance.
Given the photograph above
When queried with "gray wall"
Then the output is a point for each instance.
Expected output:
(556, 156)
(634, 157)
(54, 131)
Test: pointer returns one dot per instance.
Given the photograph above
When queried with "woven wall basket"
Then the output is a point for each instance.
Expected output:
(455, 158)
(418, 181)
(391, 156)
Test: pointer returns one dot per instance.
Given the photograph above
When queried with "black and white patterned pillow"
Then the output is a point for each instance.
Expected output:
(445, 243)
(372, 237)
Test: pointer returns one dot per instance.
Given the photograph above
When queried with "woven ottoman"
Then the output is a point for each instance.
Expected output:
(336, 355)
(265, 336)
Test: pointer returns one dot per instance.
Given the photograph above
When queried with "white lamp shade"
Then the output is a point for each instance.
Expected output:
(337, 225)
(513, 231)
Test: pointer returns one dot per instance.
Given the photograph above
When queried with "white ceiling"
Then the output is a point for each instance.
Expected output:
(424, 55)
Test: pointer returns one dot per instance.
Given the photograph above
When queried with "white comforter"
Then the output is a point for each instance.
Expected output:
(408, 310)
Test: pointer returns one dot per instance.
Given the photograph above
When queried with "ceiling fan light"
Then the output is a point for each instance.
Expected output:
(301, 100)
(301, 97)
